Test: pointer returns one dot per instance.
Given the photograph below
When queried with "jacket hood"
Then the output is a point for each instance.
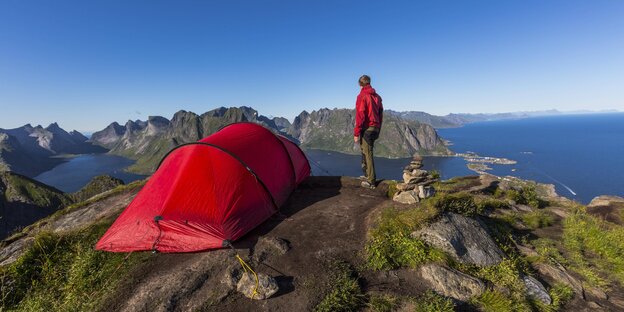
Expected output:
(368, 90)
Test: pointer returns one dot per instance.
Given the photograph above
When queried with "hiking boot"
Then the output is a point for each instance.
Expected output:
(367, 185)
(363, 178)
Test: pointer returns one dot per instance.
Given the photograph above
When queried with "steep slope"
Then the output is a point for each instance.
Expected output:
(23, 201)
(326, 253)
(333, 130)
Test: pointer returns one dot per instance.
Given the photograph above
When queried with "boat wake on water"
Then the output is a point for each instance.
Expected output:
(555, 180)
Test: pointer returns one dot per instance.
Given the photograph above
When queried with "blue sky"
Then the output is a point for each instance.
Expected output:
(88, 63)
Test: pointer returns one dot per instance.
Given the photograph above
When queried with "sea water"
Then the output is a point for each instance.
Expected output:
(582, 155)
(72, 175)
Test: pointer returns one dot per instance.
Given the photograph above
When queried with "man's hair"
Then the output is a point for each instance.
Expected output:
(364, 80)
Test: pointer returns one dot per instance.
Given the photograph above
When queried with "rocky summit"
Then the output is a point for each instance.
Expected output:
(479, 243)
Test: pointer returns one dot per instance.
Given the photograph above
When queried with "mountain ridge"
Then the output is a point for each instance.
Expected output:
(27, 150)
(148, 141)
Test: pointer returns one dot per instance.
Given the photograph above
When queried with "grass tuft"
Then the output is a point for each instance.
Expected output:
(63, 272)
(392, 189)
(537, 219)
(345, 293)
(595, 248)
(462, 203)
(432, 302)
(390, 245)
(382, 303)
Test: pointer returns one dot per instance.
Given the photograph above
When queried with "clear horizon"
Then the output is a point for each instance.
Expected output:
(85, 65)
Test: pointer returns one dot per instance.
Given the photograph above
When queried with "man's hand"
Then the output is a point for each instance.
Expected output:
(356, 139)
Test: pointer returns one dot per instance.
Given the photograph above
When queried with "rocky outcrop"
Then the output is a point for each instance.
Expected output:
(558, 274)
(333, 130)
(465, 239)
(610, 208)
(451, 283)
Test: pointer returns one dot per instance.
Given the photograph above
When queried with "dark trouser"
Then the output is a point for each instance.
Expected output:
(367, 142)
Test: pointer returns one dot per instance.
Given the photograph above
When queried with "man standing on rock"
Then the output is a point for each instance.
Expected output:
(368, 118)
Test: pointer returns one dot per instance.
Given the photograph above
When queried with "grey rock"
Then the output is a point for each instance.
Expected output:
(465, 239)
(536, 290)
(407, 197)
(268, 246)
(405, 186)
(267, 286)
(605, 200)
(419, 173)
(596, 293)
(558, 274)
(451, 283)
(231, 277)
(425, 191)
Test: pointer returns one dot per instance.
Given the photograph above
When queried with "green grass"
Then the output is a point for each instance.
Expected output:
(462, 203)
(390, 245)
(63, 272)
(456, 184)
(525, 195)
(345, 293)
(490, 204)
(595, 248)
(537, 219)
(495, 301)
(548, 251)
(118, 190)
(20, 187)
(382, 303)
(392, 189)
(97, 185)
(432, 302)
(560, 295)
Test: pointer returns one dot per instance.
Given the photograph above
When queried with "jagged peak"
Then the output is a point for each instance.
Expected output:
(157, 120)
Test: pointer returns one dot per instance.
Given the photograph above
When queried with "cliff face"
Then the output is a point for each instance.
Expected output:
(333, 130)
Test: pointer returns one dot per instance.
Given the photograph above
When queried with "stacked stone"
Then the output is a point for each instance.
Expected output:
(416, 183)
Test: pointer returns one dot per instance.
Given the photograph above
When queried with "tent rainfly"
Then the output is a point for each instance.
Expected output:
(211, 192)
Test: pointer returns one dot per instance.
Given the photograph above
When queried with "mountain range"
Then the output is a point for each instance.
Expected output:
(28, 150)
(148, 141)
(460, 119)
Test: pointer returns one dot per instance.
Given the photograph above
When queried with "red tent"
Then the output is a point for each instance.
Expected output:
(211, 191)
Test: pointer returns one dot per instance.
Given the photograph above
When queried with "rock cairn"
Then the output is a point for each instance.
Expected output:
(416, 183)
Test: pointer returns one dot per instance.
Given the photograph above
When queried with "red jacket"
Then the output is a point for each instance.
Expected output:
(368, 110)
